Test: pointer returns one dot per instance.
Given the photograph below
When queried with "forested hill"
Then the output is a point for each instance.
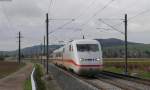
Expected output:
(114, 42)
(111, 48)
(115, 48)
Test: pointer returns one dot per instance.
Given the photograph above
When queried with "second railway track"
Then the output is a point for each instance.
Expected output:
(123, 81)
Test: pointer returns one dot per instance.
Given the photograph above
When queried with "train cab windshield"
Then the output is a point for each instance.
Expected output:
(87, 47)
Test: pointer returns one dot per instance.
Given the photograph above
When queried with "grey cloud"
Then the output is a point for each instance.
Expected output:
(28, 16)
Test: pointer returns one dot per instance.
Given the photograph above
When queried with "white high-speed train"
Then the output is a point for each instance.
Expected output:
(80, 56)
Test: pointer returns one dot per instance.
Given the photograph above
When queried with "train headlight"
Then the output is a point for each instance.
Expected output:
(81, 59)
(98, 59)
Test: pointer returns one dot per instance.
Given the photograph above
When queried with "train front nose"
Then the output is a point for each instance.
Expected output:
(90, 66)
(89, 70)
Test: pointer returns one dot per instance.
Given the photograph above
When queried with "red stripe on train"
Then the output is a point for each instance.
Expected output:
(72, 62)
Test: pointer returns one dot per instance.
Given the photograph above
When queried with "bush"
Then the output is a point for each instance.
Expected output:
(38, 75)
(2, 58)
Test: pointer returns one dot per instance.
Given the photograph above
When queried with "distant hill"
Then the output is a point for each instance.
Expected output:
(134, 51)
(115, 48)
(113, 42)
(111, 48)
(28, 51)
(37, 49)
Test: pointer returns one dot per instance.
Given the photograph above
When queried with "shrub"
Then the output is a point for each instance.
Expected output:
(38, 75)
(2, 58)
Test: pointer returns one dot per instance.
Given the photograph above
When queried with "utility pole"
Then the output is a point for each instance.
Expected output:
(47, 39)
(126, 46)
(19, 48)
(44, 54)
(37, 54)
(83, 37)
(41, 52)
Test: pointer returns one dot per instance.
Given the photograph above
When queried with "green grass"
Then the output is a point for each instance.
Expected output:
(138, 67)
(38, 75)
(27, 84)
(145, 75)
(114, 69)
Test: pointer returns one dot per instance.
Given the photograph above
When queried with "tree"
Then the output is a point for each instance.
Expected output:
(2, 58)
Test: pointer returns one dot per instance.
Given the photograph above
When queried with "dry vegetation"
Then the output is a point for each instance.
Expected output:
(7, 68)
(138, 67)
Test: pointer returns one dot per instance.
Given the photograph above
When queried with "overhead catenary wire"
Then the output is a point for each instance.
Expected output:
(111, 19)
(100, 10)
(10, 25)
(97, 12)
(111, 26)
(83, 12)
(107, 29)
(77, 16)
(60, 19)
(60, 27)
(143, 12)
(50, 6)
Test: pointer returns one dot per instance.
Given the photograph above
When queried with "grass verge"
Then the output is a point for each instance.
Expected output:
(27, 84)
(38, 75)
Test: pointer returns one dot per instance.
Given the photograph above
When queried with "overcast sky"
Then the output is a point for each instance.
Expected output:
(28, 16)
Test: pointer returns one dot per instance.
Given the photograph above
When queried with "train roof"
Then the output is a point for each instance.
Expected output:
(85, 41)
(80, 41)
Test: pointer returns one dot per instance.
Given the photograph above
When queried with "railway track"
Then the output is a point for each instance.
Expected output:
(110, 81)
(131, 78)
(92, 81)
(123, 81)
(69, 81)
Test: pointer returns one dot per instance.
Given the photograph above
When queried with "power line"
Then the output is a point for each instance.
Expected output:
(117, 24)
(107, 29)
(75, 17)
(60, 19)
(69, 28)
(6, 16)
(111, 26)
(81, 13)
(60, 27)
(98, 11)
(143, 12)
(50, 5)
(111, 18)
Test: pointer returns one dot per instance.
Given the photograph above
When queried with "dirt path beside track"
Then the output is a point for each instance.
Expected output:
(16, 80)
